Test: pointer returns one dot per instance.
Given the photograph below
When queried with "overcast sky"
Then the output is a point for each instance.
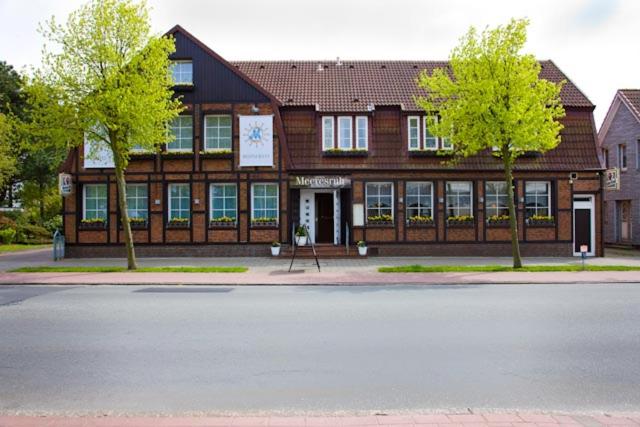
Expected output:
(595, 42)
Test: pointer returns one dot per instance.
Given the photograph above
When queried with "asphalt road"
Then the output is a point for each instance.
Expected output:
(318, 350)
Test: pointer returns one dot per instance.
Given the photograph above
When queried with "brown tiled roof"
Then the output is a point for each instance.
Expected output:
(353, 85)
(633, 98)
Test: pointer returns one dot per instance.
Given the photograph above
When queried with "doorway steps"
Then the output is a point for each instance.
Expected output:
(323, 250)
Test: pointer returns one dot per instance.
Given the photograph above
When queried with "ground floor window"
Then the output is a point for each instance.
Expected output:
(264, 205)
(537, 198)
(179, 202)
(379, 201)
(459, 199)
(419, 200)
(495, 198)
(94, 201)
(222, 202)
(137, 201)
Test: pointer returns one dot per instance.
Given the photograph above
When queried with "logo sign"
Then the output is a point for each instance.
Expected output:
(65, 184)
(319, 182)
(584, 249)
(612, 181)
(256, 141)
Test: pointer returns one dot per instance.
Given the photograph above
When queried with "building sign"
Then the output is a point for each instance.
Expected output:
(321, 181)
(256, 140)
(612, 179)
(65, 184)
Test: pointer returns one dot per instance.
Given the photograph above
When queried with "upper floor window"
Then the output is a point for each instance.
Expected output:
(182, 72)
(344, 138)
(537, 198)
(430, 141)
(137, 201)
(495, 198)
(217, 132)
(223, 199)
(419, 200)
(421, 138)
(379, 197)
(182, 129)
(605, 156)
(459, 198)
(622, 157)
(94, 201)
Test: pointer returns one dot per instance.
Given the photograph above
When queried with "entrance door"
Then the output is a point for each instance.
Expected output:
(625, 220)
(583, 224)
(324, 217)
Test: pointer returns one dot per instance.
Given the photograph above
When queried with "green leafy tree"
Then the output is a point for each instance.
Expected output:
(108, 80)
(11, 112)
(492, 98)
(7, 158)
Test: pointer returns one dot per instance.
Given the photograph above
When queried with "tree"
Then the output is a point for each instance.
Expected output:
(108, 80)
(7, 159)
(11, 112)
(491, 98)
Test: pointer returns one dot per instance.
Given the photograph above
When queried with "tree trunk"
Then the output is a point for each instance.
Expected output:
(513, 223)
(124, 215)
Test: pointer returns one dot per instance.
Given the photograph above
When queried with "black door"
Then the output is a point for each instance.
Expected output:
(324, 218)
(582, 229)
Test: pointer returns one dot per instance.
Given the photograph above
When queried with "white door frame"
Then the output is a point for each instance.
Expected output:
(584, 205)
(308, 211)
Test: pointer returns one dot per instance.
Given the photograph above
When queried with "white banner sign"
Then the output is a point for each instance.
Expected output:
(256, 140)
(612, 179)
(65, 184)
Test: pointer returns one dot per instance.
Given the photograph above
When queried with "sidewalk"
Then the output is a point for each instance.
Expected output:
(432, 420)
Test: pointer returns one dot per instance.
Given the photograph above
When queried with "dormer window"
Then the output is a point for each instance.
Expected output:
(350, 134)
(419, 138)
(182, 72)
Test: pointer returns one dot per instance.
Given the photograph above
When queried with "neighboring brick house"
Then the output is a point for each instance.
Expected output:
(619, 140)
(351, 157)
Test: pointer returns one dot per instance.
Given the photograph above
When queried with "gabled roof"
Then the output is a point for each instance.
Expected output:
(630, 98)
(353, 85)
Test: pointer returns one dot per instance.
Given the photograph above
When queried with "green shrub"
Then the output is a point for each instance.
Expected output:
(6, 222)
(7, 236)
(30, 233)
(53, 224)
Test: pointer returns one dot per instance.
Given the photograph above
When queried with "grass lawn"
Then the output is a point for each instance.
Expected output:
(113, 269)
(16, 247)
(497, 268)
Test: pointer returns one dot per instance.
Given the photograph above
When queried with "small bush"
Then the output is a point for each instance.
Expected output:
(6, 222)
(53, 224)
(30, 233)
(7, 236)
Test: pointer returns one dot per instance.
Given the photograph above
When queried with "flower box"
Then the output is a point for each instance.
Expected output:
(430, 153)
(541, 221)
(264, 222)
(142, 155)
(380, 221)
(460, 221)
(498, 221)
(420, 221)
(138, 223)
(93, 224)
(217, 154)
(336, 152)
(173, 155)
(222, 222)
(178, 223)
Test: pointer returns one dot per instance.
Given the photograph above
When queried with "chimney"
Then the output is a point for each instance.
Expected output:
(338, 63)
(320, 68)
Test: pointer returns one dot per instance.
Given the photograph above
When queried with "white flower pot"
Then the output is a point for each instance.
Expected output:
(301, 240)
(362, 250)
(275, 250)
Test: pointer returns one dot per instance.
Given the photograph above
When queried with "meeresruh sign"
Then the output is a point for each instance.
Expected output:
(319, 181)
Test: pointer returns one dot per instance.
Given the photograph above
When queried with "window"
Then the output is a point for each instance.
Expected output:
(414, 132)
(137, 201)
(95, 201)
(495, 199)
(605, 155)
(182, 128)
(379, 199)
(265, 201)
(537, 198)
(622, 157)
(344, 133)
(223, 201)
(430, 141)
(459, 198)
(179, 201)
(327, 133)
(217, 132)
(419, 199)
(362, 132)
(182, 72)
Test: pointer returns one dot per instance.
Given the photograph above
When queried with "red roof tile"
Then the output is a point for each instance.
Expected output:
(633, 98)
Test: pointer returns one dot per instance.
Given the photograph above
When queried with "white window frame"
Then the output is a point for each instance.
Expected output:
(548, 184)
(622, 149)
(420, 196)
(181, 73)
(169, 213)
(253, 186)
(137, 197)
(417, 128)
(366, 133)
(325, 121)
(457, 195)
(218, 116)
(425, 119)
(180, 149)
(340, 127)
(224, 199)
(84, 201)
(497, 198)
(366, 197)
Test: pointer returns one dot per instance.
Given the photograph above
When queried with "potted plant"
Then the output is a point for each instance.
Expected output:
(275, 248)
(301, 236)
(362, 248)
